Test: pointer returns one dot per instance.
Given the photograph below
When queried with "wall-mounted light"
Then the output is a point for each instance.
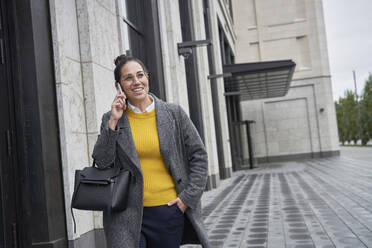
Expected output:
(185, 48)
(228, 74)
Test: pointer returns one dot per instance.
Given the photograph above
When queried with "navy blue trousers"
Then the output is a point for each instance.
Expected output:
(162, 227)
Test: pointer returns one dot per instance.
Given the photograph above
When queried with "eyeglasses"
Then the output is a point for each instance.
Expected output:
(130, 78)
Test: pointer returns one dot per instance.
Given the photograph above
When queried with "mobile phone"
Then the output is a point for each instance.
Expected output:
(118, 87)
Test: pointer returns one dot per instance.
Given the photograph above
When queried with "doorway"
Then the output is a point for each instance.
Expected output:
(8, 206)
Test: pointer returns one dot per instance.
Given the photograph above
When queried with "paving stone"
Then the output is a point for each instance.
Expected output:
(320, 203)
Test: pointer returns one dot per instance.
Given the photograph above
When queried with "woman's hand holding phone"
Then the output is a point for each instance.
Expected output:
(117, 107)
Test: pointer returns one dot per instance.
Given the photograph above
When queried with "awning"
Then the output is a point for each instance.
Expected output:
(258, 80)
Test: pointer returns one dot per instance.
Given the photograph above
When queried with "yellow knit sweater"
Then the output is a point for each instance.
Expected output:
(158, 185)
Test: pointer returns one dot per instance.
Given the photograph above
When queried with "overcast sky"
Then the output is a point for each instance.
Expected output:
(349, 36)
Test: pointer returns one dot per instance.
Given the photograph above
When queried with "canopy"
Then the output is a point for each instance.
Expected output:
(258, 80)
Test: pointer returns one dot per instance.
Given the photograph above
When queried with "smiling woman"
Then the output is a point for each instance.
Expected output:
(159, 145)
(135, 82)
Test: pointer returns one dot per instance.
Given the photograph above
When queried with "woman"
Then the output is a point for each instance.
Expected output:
(158, 143)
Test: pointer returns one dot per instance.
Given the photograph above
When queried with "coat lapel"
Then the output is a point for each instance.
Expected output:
(126, 141)
(165, 127)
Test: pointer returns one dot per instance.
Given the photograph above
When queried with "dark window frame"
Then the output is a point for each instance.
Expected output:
(145, 41)
(232, 104)
(42, 216)
(10, 208)
(191, 67)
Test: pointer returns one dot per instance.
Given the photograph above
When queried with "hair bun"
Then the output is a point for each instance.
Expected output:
(119, 59)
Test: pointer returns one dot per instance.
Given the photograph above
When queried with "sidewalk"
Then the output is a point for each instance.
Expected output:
(359, 153)
(312, 203)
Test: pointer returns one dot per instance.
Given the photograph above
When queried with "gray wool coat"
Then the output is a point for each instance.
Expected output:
(185, 158)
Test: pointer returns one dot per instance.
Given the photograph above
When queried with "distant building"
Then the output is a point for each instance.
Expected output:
(302, 123)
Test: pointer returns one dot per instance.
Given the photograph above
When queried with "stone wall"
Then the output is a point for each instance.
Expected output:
(296, 123)
(303, 122)
(84, 49)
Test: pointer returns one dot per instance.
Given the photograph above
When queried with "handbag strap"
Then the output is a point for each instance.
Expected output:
(73, 218)
(95, 165)
(72, 212)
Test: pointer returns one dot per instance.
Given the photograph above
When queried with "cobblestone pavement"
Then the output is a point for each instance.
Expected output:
(312, 203)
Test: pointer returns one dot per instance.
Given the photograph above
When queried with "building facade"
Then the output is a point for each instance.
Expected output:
(84, 49)
(302, 123)
(56, 69)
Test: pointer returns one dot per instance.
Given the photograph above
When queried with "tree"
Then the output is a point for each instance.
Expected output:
(341, 120)
(351, 117)
(366, 110)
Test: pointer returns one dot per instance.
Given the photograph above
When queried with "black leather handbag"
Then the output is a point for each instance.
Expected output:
(100, 189)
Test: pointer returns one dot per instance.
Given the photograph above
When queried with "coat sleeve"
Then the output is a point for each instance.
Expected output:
(197, 159)
(105, 147)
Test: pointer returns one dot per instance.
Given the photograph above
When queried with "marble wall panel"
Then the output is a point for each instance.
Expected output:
(83, 19)
(89, 96)
(217, 13)
(72, 96)
(109, 5)
(98, 42)
(91, 140)
(104, 91)
(205, 91)
(99, 93)
(105, 36)
(65, 28)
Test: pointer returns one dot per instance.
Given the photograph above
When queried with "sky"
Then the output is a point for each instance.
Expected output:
(349, 37)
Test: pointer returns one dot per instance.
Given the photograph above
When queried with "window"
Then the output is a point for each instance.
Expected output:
(125, 37)
(142, 39)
